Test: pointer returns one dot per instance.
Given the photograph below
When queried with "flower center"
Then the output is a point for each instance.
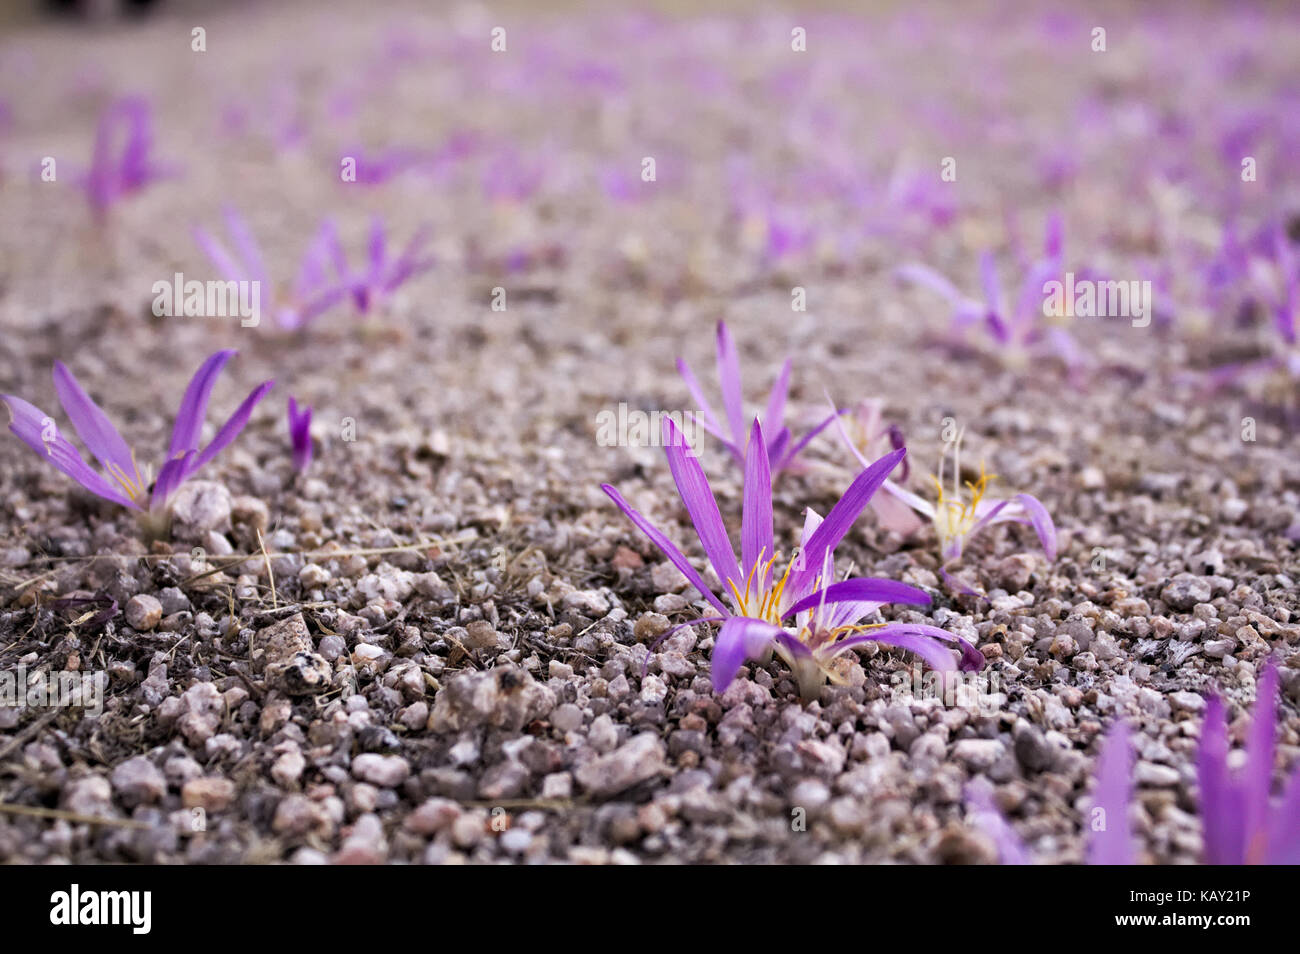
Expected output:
(134, 486)
(955, 517)
(760, 600)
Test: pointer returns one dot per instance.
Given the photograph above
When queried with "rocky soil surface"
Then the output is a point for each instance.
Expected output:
(438, 643)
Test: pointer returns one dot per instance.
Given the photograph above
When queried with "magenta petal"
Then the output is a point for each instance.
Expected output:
(1284, 826)
(1221, 822)
(249, 252)
(989, 280)
(376, 247)
(170, 477)
(693, 487)
(1042, 522)
(785, 459)
(927, 277)
(675, 556)
(929, 642)
(861, 589)
(1110, 840)
(406, 264)
(697, 394)
(756, 541)
(1257, 781)
(986, 817)
(300, 434)
(92, 424)
(1054, 237)
(230, 430)
(776, 448)
(739, 639)
(323, 248)
(837, 522)
(194, 404)
(774, 417)
(316, 305)
(895, 515)
(230, 268)
(333, 248)
(729, 377)
(30, 425)
(710, 429)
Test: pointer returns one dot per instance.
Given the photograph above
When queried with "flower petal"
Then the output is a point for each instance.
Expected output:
(1221, 822)
(986, 817)
(756, 541)
(1022, 508)
(194, 405)
(927, 277)
(786, 458)
(300, 434)
(989, 281)
(1257, 781)
(837, 522)
(669, 549)
(739, 639)
(697, 496)
(861, 589)
(170, 477)
(230, 430)
(1284, 827)
(1112, 842)
(928, 642)
(230, 267)
(1042, 522)
(376, 246)
(697, 394)
(249, 252)
(895, 515)
(30, 425)
(733, 401)
(407, 265)
(91, 423)
(774, 416)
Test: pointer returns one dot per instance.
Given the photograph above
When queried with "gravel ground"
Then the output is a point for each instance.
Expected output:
(430, 646)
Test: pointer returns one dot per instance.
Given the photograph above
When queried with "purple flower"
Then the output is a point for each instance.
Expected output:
(966, 512)
(1240, 822)
(1017, 329)
(1279, 281)
(383, 274)
(802, 615)
(1109, 829)
(119, 169)
(300, 434)
(779, 448)
(122, 481)
(312, 292)
(1241, 825)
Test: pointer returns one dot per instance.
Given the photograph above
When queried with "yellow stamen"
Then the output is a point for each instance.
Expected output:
(133, 485)
(955, 518)
(769, 598)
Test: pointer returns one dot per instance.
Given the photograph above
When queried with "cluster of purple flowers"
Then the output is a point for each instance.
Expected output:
(766, 600)
(803, 613)
(1241, 821)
